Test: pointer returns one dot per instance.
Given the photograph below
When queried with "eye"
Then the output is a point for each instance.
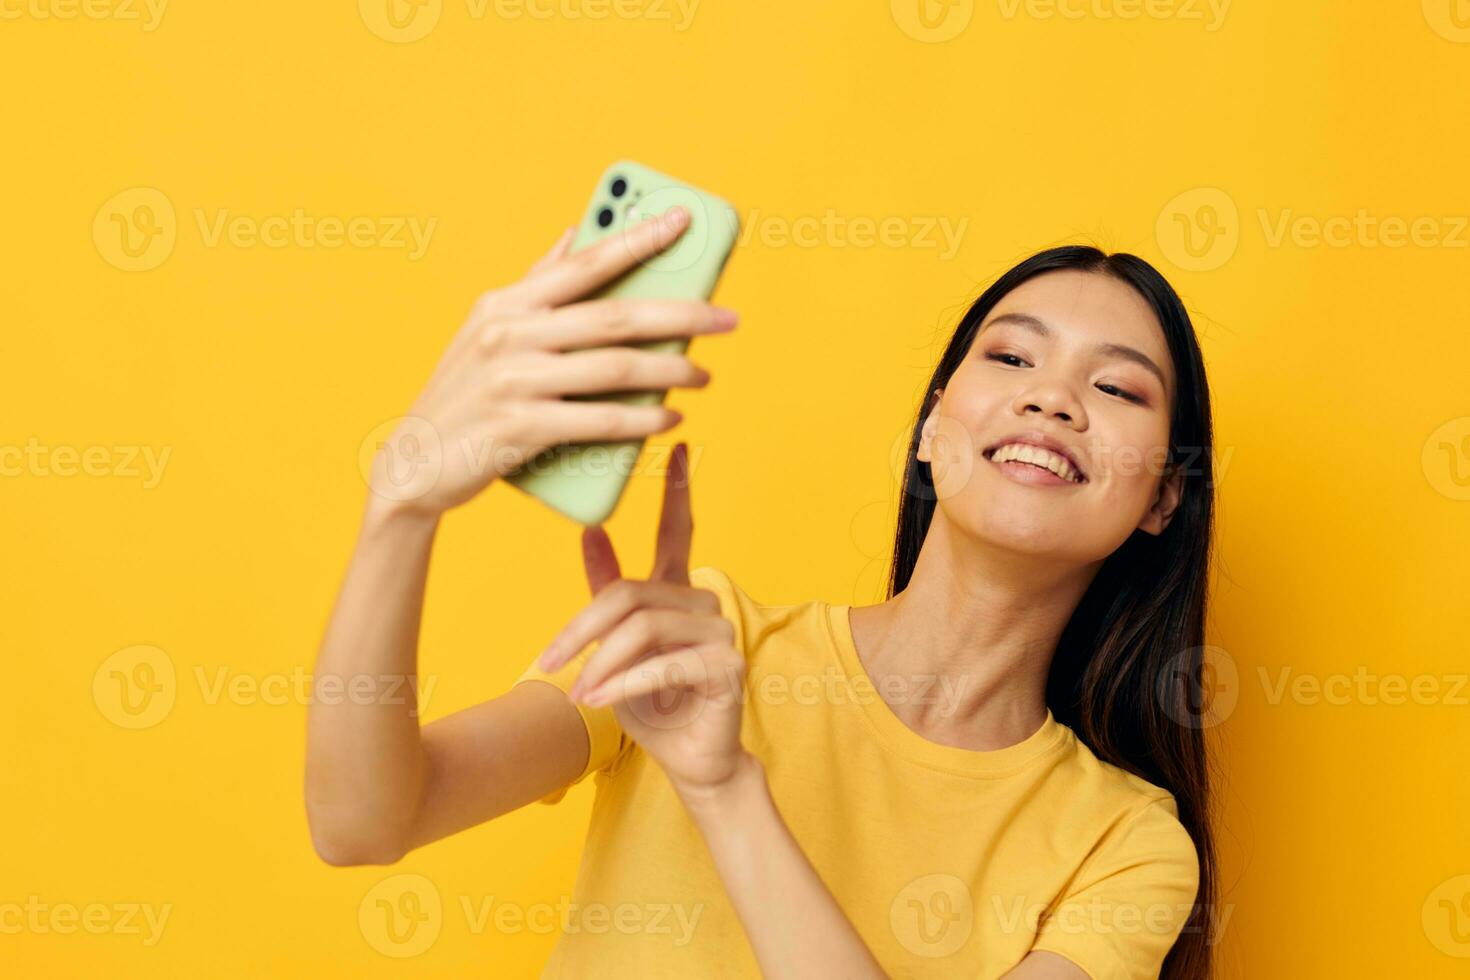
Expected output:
(1114, 390)
(1106, 389)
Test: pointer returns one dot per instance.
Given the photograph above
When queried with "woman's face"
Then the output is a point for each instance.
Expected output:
(1063, 357)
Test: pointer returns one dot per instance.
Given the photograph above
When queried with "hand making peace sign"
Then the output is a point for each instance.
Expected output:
(666, 661)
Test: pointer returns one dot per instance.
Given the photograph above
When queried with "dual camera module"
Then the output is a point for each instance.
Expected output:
(618, 187)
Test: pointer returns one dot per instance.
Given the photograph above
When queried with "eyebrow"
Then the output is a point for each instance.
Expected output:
(1123, 351)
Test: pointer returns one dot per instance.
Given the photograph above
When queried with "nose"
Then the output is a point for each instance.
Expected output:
(1050, 398)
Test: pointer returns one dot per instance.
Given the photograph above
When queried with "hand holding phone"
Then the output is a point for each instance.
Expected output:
(528, 369)
(585, 480)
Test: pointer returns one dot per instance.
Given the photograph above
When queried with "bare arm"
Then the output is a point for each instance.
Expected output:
(376, 785)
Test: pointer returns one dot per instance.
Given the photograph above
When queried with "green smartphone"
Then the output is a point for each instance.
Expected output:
(584, 481)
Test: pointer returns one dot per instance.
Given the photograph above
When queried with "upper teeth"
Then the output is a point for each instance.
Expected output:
(1036, 455)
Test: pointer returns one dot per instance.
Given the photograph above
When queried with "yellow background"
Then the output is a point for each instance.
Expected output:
(1337, 372)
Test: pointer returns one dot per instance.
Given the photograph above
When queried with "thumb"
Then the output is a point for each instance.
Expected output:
(599, 559)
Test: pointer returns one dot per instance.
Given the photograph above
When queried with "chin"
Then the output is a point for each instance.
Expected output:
(1020, 529)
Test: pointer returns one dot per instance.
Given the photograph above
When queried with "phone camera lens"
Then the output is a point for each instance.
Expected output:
(604, 217)
(619, 187)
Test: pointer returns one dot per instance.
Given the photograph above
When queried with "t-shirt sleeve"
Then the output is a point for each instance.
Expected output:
(605, 736)
(709, 577)
(607, 741)
(1130, 900)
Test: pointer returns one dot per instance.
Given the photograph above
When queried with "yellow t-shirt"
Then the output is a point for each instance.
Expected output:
(944, 859)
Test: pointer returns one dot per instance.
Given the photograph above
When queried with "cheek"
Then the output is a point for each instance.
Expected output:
(975, 406)
(1132, 463)
(953, 455)
(969, 411)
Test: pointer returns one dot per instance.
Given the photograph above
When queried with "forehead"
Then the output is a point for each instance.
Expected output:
(1085, 309)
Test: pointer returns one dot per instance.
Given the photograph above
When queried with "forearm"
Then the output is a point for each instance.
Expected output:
(365, 763)
(793, 922)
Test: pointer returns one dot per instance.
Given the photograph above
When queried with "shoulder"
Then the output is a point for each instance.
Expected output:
(1112, 784)
(1134, 889)
(1131, 822)
(1136, 821)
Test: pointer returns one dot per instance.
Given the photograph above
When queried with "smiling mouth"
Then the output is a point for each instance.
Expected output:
(1035, 464)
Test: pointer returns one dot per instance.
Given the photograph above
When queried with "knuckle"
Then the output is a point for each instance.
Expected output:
(619, 367)
(616, 315)
(493, 337)
(508, 376)
(585, 261)
(642, 626)
(510, 421)
(494, 386)
(623, 592)
(488, 304)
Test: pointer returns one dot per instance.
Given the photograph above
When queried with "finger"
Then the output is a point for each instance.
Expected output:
(557, 421)
(580, 273)
(689, 668)
(606, 369)
(557, 252)
(603, 322)
(614, 603)
(641, 633)
(598, 558)
(676, 522)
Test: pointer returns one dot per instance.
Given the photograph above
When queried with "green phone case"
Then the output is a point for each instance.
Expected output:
(584, 481)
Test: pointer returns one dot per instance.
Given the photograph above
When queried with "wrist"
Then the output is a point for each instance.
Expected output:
(711, 801)
(383, 515)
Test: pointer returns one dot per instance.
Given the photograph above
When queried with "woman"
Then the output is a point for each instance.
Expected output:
(997, 772)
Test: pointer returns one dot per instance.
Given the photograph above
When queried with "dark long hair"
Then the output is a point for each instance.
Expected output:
(1127, 674)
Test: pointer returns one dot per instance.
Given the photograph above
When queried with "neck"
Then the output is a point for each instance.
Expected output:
(984, 623)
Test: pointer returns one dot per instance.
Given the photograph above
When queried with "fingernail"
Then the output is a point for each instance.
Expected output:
(725, 319)
(595, 698)
(676, 216)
